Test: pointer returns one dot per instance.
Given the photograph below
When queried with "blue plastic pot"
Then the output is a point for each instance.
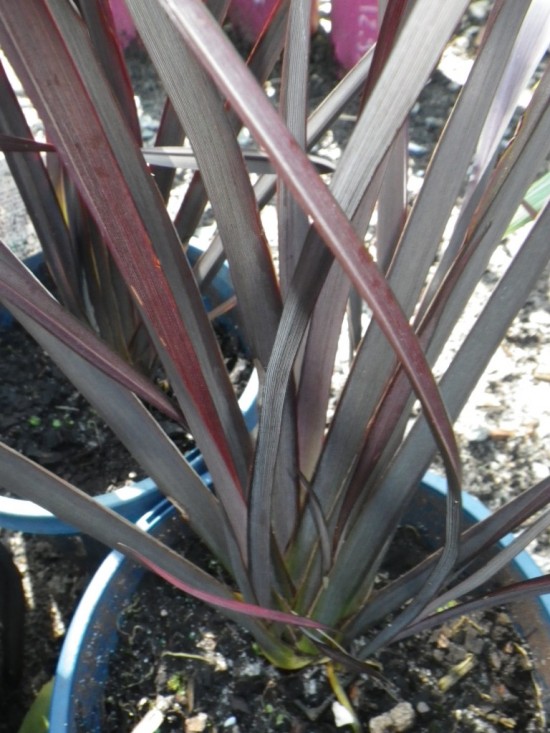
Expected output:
(134, 500)
(92, 635)
(34, 263)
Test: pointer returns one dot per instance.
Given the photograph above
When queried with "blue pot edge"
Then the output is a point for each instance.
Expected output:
(477, 511)
(87, 609)
(134, 500)
(88, 605)
(34, 263)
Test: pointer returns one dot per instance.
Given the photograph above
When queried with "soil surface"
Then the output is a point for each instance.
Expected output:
(504, 437)
(46, 419)
(199, 672)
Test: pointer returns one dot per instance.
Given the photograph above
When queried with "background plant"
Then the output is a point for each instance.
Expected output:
(86, 279)
(301, 515)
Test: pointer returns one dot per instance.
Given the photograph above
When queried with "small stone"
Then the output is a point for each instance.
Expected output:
(539, 318)
(454, 86)
(433, 123)
(540, 471)
(196, 724)
(416, 150)
(310, 687)
(148, 122)
(342, 716)
(251, 669)
(461, 43)
(402, 716)
(399, 719)
(381, 724)
(479, 10)
(473, 642)
(477, 433)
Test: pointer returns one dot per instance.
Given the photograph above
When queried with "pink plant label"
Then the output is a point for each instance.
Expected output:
(123, 22)
(354, 29)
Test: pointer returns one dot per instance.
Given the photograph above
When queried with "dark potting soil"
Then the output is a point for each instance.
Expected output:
(44, 417)
(181, 663)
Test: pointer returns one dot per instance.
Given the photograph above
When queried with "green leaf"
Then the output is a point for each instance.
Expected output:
(535, 199)
(36, 719)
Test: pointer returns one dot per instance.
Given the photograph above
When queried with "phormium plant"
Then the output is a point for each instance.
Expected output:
(302, 513)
